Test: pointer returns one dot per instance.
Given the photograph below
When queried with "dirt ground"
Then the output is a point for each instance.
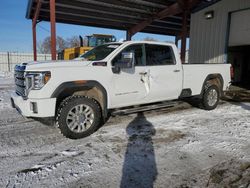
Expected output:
(177, 147)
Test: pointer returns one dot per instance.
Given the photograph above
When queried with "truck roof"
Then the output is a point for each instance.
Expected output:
(142, 42)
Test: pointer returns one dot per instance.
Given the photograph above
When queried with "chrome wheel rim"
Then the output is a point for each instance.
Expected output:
(212, 97)
(80, 118)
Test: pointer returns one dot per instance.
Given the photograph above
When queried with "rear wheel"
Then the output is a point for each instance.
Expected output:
(211, 97)
(78, 117)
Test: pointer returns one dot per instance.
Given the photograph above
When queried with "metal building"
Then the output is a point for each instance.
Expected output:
(220, 33)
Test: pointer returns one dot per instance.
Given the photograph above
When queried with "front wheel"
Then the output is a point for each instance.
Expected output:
(78, 117)
(211, 98)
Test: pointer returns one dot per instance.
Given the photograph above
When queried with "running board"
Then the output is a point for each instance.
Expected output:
(144, 108)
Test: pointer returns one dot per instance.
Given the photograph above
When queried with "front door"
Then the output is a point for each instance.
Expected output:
(128, 86)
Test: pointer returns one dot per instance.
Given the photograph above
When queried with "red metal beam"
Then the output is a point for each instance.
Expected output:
(184, 36)
(34, 22)
(34, 41)
(53, 28)
(37, 12)
(174, 9)
(169, 11)
(186, 6)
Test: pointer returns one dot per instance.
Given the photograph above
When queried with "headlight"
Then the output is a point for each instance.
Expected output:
(36, 80)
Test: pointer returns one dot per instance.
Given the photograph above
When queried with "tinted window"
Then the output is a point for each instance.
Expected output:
(137, 49)
(159, 55)
(100, 52)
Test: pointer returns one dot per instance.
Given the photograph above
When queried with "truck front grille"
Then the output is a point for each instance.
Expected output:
(20, 80)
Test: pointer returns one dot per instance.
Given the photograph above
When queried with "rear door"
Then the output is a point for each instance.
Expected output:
(163, 73)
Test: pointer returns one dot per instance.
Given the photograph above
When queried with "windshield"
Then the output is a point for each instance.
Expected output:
(100, 52)
(97, 41)
(92, 42)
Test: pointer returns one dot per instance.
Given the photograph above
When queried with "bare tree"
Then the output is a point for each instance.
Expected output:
(149, 39)
(61, 44)
(40, 48)
(44, 46)
(73, 42)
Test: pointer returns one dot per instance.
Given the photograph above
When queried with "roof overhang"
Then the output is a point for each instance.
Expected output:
(117, 14)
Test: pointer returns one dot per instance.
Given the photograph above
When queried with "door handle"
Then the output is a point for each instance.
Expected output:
(143, 73)
(177, 70)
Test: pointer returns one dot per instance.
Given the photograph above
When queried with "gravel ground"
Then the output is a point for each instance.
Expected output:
(177, 147)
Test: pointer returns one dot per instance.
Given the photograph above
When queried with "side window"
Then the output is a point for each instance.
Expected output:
(137, 49)
(159, 55)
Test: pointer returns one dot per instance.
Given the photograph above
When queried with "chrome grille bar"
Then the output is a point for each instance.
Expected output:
(20, 80)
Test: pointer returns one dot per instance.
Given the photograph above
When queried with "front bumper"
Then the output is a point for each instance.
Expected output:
(34, 107)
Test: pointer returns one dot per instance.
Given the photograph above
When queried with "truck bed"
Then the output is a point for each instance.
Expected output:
(195, 74)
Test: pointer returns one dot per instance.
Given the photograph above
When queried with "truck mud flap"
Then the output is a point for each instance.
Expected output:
(14, 106)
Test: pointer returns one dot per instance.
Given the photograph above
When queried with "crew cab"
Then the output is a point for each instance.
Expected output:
(80, 94)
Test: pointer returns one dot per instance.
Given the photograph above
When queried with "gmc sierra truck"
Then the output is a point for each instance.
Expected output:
(114, 77)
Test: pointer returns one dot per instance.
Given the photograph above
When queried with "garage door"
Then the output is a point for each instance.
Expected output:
(240, 28)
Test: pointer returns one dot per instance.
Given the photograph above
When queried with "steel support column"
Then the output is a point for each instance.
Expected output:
(128, 36)
(184, 35)
(177, 38)
(34, 40)
(34, 23)
(53, 28)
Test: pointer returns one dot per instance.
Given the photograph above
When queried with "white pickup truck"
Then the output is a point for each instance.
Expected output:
(81, 93)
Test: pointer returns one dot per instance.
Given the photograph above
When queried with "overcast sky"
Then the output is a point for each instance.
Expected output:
(15, 29)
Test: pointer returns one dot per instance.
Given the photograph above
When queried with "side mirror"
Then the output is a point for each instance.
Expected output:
(126, 62)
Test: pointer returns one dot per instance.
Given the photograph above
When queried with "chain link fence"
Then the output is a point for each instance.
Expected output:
(8, 60)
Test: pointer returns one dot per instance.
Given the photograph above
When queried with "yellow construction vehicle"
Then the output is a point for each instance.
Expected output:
(92, 41)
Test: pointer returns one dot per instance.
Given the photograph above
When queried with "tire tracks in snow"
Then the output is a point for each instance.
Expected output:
(15, 121)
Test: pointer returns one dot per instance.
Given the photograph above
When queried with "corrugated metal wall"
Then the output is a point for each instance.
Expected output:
(208, 37)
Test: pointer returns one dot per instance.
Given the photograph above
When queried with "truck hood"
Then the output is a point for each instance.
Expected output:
(48, 65)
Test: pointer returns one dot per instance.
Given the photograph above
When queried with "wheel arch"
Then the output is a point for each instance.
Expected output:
(213, 79)
(90, 88)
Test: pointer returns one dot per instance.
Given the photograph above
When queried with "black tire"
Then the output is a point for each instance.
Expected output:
(206, 100)
(66, 107)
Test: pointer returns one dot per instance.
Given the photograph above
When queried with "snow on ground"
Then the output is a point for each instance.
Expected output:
(6, 80)
(177, 147)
